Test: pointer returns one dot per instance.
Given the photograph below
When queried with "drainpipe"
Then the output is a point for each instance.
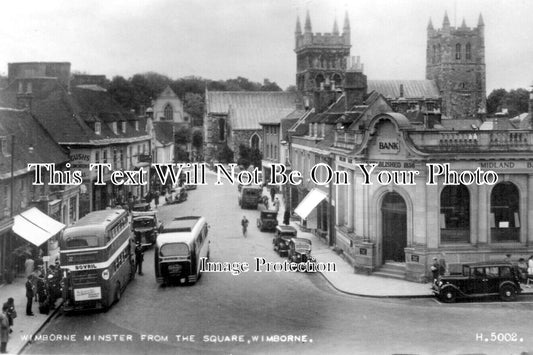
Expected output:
(331, 222)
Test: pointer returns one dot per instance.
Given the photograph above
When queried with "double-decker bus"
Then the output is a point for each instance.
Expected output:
(179, 248)
(97, 260)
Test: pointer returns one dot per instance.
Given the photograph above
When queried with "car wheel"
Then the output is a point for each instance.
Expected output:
(449, 295)
(507, 293)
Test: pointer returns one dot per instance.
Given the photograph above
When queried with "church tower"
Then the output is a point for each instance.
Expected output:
(455, 59)
(321, 57)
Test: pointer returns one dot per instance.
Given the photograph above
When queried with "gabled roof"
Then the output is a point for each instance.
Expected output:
(246, 109)
(28, 133)
(412, 89)
(167, 93)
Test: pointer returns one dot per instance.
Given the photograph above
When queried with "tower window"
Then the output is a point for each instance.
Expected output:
(458, 51)
(468, 51)
(433, 60)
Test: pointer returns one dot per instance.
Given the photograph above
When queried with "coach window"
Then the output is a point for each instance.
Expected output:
(455, 214)
(505, 213)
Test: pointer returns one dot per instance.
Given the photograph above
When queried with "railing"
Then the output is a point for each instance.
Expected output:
(347, 138)
(510, 140)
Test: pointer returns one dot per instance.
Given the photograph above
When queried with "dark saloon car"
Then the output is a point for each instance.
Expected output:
(267, 221)
(145, 227)
(283, 236)
(300, 250)
(478, 280)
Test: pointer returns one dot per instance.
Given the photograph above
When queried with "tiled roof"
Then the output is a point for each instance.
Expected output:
(411, 88)
(70, 118)
(247, 109)
(461, 125)
(28, 133)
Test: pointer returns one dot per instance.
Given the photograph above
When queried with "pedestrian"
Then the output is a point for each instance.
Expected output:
(29, 266)
(442, 265)
(156, 198)
(276, 204)
(435, 269)
(522, 269)
(11, 313)
(4, 330)
(272, 193)
(29, 295)
(286, 216)
(244, 224)
(530, 266)
(139, 257)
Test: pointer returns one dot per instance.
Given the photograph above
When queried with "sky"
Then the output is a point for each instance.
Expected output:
(222, 39)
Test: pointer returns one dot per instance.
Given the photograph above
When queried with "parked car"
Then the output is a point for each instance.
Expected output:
(300, 250)
(250, 196)
(267, 220)
(141, 207)
(146, 227)
(176, 195)
(478, 280)
(283, 236)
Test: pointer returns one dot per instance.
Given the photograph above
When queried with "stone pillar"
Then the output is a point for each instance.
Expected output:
(529, 205)
(483, 232)
(419, 214)
(432, 216)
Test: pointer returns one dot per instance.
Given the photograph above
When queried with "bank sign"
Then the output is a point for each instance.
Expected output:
(388, 145)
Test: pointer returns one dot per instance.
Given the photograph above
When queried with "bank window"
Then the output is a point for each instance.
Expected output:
(505, 213)
(455, 214)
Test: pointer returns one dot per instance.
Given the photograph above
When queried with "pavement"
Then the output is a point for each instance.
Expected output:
(343, 280)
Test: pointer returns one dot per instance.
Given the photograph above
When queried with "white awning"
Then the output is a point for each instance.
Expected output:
(310, 201)
(36, 227)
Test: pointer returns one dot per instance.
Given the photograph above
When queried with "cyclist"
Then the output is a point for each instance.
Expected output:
(244, 224)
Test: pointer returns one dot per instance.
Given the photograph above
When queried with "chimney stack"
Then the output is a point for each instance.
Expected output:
(355, 84)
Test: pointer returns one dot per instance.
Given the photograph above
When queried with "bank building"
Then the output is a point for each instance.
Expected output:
(402, 126)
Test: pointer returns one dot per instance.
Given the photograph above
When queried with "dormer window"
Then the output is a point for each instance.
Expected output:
(114, 127)
(123, 126)
(97, 128)
(136, 125)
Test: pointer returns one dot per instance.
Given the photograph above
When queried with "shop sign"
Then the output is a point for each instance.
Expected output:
(415, 258)
(388, 145)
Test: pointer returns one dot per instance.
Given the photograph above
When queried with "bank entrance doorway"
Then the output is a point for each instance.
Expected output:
(394, 227)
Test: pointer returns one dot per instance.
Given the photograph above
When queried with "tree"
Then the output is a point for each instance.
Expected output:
(197, 139)
(182, 136)
(225, 155)
(517, 101)
(244, 156)
(122, 91)
(495, 100)
(270, 86)
(193, 103)
(291, 88)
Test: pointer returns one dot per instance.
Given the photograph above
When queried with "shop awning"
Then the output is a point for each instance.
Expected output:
(36, 227)
(310, 201)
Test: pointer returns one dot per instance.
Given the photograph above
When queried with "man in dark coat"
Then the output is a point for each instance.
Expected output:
(139, 257)
(29, 295)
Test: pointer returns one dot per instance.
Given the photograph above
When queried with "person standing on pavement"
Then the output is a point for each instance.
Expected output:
(139, 257)
(4, 330)
(10, 312)
(156, 198)
(276, 204)
(29, 295)
(272, 193)
(435, 269)
(244, 224)
(29, 266)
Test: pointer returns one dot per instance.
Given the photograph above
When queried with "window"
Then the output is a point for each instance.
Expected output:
(97, 128)
(221, 129)
(115, 157)
(505, 213)
(458, 51)
(114, 127)
(105, 156)
(434, 58)
(169, 113)
(123, 126)
(96, 157)
(455, 214)
(255, 141)
(468, 51)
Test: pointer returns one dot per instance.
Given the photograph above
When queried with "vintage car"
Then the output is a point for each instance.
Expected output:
(250, 196)
(267, 220)
(141, 207)
(300, 250)
(176, 194)
(480, 279)
(283, 236)
(146, 227)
